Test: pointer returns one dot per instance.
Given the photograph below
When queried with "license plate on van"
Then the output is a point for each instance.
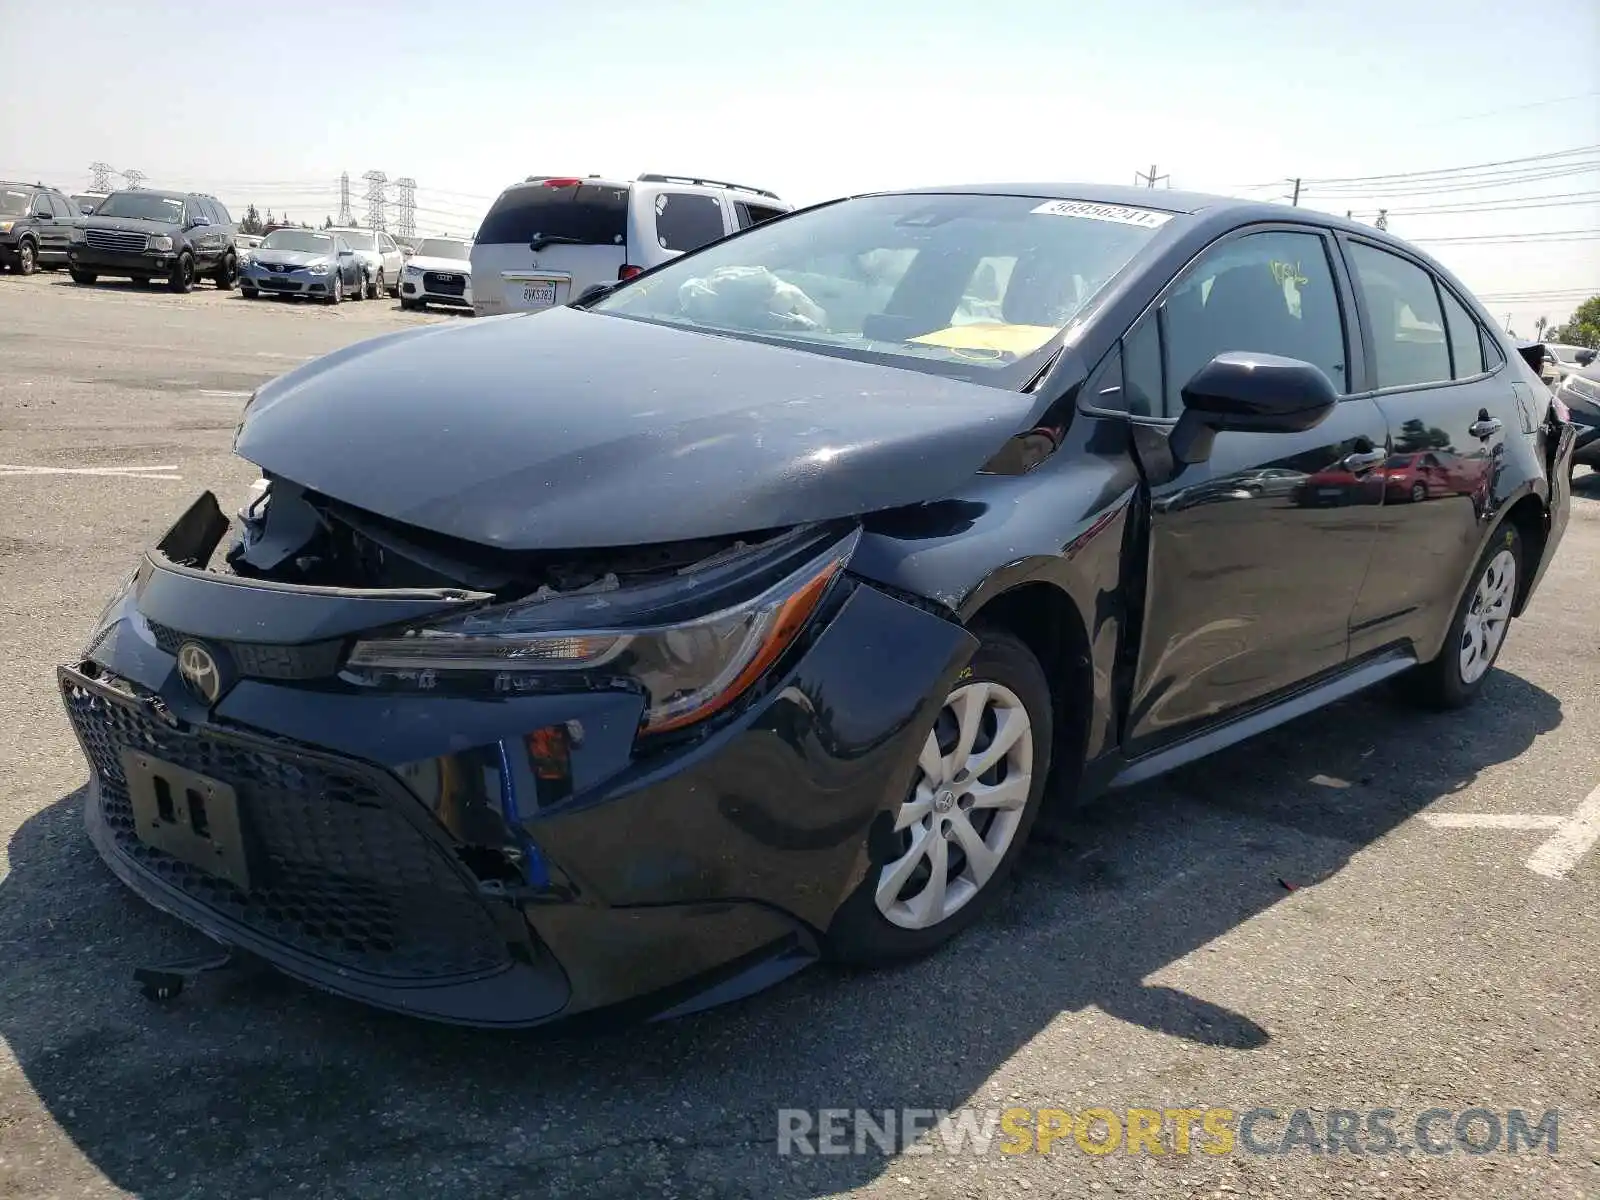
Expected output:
(539, 295)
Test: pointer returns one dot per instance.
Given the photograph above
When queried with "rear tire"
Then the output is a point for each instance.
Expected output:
(377, 287)
(227, 273)
(181, 280)
(965, 818)
(1477, 631)
(337, 295)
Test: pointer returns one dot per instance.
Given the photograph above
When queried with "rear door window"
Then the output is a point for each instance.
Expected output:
(63, 209)
(1466, 339)
(687, 220)
(753, 214)
(587, 214)
(1407, 334)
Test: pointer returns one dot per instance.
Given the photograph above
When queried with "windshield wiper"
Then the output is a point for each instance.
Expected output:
(541, 240)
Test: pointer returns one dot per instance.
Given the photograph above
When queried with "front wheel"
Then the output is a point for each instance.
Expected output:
(248, 292)
(941, 859)
(27, 257)
(182, 278)
(1477, 632)
(83, 277)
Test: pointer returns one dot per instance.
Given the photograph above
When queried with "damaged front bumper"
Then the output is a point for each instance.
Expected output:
(487, 859)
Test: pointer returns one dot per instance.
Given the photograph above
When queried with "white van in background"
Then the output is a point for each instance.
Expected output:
(549, 237)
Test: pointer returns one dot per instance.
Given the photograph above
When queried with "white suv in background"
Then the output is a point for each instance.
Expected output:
(549, 237)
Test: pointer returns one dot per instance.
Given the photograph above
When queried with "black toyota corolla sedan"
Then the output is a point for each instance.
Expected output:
(630, 655)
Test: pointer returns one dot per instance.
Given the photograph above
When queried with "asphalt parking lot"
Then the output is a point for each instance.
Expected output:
(1361, 910)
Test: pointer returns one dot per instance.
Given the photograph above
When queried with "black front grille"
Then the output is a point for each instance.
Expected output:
(280, 285)
(315, 660)
(337, 870)
(121, 240)
(445, 283)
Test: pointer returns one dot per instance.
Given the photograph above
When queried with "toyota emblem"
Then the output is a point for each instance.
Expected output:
(199, 671)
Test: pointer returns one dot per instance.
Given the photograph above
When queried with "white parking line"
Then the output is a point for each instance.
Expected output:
(109, 472)
(1492, 820)
(1576, 838)
(223, 395)
(1574, 835)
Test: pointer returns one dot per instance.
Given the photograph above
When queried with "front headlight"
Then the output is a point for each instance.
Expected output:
(75, 234)
(411, 272)
(158, 242)
(5, 226)
(319, 268)
(688, 669)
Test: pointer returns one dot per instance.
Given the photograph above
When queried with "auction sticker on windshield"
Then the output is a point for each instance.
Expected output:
(1122, 214)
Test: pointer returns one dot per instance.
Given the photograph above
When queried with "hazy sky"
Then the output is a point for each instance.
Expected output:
(819, 98)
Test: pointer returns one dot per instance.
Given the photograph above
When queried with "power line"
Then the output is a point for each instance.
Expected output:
(1470, 167)
(1554, 200)
(1554, 235)
(1465, 183)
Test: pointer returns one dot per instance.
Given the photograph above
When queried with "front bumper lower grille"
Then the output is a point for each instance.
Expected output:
(444, 283)
(339, 869)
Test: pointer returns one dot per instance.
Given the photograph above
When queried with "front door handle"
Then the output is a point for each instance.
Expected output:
(1485, 427)
(1361, 460)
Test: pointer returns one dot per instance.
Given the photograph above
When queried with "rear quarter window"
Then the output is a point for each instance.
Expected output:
(687, 220)
(591, 214)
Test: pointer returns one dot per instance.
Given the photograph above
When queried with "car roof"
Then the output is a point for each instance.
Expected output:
(30, 187)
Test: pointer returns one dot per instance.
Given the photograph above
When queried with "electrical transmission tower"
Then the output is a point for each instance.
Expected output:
(406, 221)
(1152, 178)
(345, 215)
(134, 178)
(375, 184)
(100, 177)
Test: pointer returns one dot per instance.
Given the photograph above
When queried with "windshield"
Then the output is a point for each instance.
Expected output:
(359, 240)
(145, 206)
(298, 239)
(441, 248)
(972, 286)
(1566, 354)
(13, 204)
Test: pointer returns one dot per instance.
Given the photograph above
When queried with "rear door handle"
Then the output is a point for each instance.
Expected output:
(1485, 427)
(1362, 459)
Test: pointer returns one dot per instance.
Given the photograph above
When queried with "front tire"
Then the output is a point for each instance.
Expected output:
(943, 857)
(27, 257)
(181, 280)
(1477, 632)
(86, 278)
(248, 292)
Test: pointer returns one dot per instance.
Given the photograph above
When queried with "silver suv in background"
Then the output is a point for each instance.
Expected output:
(381, 258)
(549, 237)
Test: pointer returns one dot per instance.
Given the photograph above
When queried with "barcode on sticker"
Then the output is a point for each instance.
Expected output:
(1122, 214)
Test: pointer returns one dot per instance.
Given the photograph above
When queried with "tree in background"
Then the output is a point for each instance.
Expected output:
(1539, 327)
(1583, 329)
(252, 220)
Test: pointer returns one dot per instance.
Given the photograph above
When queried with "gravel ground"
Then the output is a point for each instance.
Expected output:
(1278, 926)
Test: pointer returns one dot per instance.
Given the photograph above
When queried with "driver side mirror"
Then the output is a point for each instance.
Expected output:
(1241, 392)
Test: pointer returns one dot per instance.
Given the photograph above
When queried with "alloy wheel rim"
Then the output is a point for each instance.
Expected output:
(974, 776)
(1488, 616)
(25, 258)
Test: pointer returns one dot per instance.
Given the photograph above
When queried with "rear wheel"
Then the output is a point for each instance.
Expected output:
(337, 294)
(943, 857)
(227, 273)
(377, 287)
(1478, 631)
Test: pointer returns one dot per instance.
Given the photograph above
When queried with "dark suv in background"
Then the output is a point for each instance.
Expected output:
(36, 224)
(141, 234)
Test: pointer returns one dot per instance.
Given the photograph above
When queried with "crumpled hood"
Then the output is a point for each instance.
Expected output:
(568, 429)
(288, 258)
